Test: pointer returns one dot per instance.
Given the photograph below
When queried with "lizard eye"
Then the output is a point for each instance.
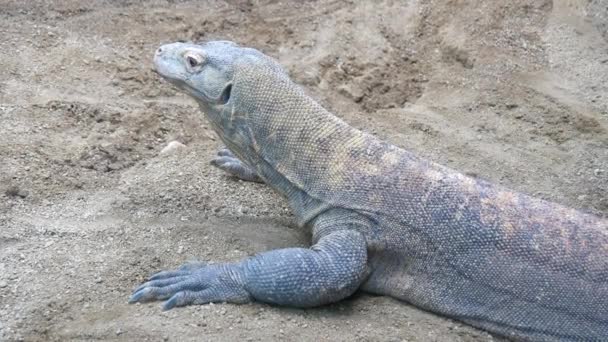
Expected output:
(194, 60)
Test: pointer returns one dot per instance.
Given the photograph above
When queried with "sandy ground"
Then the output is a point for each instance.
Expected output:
(511, 91)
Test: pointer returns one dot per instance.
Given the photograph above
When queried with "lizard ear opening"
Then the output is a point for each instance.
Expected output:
(225, 96)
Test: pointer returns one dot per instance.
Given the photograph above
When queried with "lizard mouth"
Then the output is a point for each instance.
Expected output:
(223, 99)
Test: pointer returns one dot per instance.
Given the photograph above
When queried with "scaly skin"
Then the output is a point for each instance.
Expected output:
(383, 220)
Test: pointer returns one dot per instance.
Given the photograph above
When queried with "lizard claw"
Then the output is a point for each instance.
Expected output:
(226, 161)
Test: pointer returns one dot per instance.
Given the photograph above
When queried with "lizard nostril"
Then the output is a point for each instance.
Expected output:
(158, 51)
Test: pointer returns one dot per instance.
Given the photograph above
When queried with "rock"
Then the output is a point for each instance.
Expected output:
(15, 191)
(172, 147)
(352, 91)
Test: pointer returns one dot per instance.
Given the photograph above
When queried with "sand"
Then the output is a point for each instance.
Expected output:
(515, 92)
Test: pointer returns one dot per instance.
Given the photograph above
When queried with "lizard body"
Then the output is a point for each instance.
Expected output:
(383, 220)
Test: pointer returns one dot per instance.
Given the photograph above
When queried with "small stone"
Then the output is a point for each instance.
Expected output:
(15, 191)
(352, 91)
(118, 331)
(172, 147)
(3, 284)
(114, 166)
(598, 172)
(98, 280)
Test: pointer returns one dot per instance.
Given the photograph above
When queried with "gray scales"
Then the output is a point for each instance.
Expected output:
(383, 220)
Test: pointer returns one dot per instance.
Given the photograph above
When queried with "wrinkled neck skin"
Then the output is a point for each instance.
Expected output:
(232, 128)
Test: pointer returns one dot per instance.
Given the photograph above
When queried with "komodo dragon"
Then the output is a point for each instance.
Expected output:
(383, 220)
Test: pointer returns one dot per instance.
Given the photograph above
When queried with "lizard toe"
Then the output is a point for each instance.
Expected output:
(150, 293)
(184, 270)
(223, 160)
(225, 152)
(209, 295)
(236, 168)
(160, 283)
(168, 274)
(187, 298)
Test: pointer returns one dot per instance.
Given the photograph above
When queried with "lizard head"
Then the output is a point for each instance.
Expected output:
(205, 72)
(216, 74)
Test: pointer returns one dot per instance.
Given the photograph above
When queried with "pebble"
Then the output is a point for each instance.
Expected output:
(172, 147)
(15, 191)
(3, 284)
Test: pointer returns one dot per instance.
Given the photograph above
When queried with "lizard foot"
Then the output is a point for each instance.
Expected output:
(194, 284)
(228, 162)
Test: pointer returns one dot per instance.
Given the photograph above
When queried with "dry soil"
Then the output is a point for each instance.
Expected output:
(515, 92)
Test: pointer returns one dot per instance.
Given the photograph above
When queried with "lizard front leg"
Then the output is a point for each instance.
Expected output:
(329, 271)
(228, 162)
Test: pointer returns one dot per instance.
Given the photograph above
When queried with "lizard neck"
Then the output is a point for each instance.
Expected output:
(299, 146)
